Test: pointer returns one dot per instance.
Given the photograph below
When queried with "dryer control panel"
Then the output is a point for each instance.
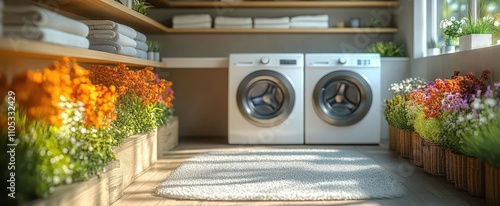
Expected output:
(343, 60)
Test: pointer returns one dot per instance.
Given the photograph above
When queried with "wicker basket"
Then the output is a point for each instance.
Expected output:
(450, 166)
(434, 159)
(392, 137)
(405, 144)
(461, 172)
(403, 150)
(416, 149)
(475, 177)
(492, 181)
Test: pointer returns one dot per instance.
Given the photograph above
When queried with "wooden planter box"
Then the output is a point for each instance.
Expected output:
(434, 159)
(133, 157)
(168, 136)
(492, 181)
(416, 144)
(397, 134)
(475, 177)
(461, 172)
(450, 166)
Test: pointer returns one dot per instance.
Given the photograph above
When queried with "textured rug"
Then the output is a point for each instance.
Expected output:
(288, 174)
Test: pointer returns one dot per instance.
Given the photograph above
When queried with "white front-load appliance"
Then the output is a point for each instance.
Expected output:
(342, 98)
(266, 99)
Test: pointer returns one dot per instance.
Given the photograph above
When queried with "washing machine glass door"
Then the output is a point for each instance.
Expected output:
(266, 98)
(342, 98)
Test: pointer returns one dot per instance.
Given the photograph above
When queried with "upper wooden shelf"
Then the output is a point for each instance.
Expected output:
(297, 31)
(20, 48)
(275, 4)
(111, 10)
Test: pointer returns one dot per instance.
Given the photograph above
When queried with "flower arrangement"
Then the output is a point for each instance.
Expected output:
(452, 28)
(396, 108)
(69, 119)
(479, 124)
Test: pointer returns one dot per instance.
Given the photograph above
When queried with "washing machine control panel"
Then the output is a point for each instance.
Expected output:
(288, 62)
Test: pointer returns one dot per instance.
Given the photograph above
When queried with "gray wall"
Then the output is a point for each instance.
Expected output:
(204, 112)
(221, 45)
(443, 66)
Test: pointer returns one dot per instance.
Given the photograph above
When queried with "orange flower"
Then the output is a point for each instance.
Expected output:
(144, 83)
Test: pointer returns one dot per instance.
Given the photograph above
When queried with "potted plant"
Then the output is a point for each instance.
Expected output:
(477, 34)
(433, 48)
(374, 23)
(386, 49)
(151, 49)
(141, 6)
(452, 29)
(156, 50)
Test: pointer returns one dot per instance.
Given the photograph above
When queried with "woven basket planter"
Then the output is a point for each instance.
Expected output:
(475, 177)
(450, 166)
(416, 145)
(492, 181)
(405, 144)
(392, 137)
(461, 172)
(434, 159)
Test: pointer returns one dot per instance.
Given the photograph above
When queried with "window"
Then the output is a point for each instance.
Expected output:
(437, 10)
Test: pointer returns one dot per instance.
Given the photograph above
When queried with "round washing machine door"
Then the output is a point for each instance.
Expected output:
(266, 98)
(342, 98)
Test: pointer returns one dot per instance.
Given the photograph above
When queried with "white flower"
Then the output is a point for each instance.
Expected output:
(459, 30)
(452, 18)
(496, 23)
(490, 102)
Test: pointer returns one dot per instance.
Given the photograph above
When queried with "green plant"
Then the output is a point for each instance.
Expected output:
(484, 142)
(156, 46)
(386, 49)
(428, 128)
(486, 25)
(432, 44)
(141, 6)
(373, 23)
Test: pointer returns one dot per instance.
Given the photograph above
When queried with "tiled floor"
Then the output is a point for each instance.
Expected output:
(423, 189)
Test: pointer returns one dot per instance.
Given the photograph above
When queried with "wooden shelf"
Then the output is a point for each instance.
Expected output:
(293, 31)
(20, 48)
(275, 4)
(111, 10)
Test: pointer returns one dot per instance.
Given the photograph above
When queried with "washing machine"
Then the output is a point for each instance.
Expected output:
(342, 98)
(266, 99)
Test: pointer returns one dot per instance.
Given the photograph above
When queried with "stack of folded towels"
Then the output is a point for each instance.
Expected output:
(309, 21)
(233, 22)
(272, 23)
(192, 21)
(39, 24)
(112, 37)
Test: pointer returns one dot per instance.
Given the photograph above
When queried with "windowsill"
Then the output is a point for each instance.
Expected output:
(497, 46)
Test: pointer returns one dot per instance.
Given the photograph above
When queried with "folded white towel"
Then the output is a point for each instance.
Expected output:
(193, 26)
(141, 46)
(307, 18)
(224, 20)
(280, 20)
(191, 19)
(36, 16)
(140, 37)
(141, 54)
(96, 36)
(309, 25)
(46, 35)
(110, 25)
(115, 49)
(243, 26)
(272, 26)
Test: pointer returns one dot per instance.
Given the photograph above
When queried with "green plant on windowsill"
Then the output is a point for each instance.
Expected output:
(485, 25)
(432, 44)
(141, 6)
(386, 49)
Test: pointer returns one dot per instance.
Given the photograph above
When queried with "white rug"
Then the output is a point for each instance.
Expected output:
(288, 174)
